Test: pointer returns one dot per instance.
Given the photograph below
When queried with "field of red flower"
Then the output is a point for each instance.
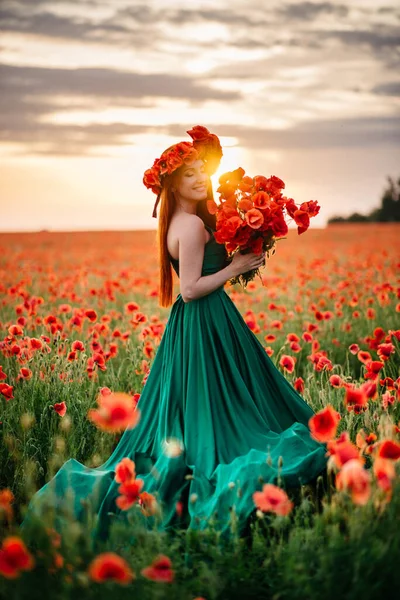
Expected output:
(80, 325)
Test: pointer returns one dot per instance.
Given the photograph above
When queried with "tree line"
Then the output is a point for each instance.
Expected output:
(388, 211)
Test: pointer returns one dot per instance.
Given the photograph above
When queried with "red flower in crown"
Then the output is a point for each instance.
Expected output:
(208, 147)
(205, 146)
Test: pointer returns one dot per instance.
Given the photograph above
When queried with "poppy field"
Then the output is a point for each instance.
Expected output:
(79, 329)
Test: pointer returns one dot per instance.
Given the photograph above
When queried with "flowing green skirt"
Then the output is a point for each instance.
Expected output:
(213, 387)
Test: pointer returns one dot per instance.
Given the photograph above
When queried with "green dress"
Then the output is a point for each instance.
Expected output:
(213, 387)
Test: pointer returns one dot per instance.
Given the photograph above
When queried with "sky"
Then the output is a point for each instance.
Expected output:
(92, 91)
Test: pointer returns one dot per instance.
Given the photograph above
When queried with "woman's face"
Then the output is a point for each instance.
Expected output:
(191, 182)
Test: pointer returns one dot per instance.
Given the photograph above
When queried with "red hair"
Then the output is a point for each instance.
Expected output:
(166, 210)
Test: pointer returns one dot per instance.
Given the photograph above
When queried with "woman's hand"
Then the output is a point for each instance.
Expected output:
(241, 263)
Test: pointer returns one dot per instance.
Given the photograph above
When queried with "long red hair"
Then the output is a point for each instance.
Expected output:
(166, 210)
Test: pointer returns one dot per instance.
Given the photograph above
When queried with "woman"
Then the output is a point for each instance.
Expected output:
(217, 417)
(186, 237)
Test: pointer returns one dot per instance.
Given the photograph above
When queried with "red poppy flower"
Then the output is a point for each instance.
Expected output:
(125, 470)
(301, 219)
(14, 557)
(385, 350)
(77, 346)
(343, 450)
(116, 412)
(60, 408)
(270, 337)
(260, 183)
(354, 348)
(356, 480)
(130, 491)
(6, 390)
(254, 218)
(389, 449)
(151, 179)
(131, 307)
(25, 373)
(256, 246)
(335, 381)
(245, 184)
(287, 363)
(91, 315)
(160, 570)
(35, 344)
(273, 499)
(279, 226)
(355, 397)
(374, 366)
(384, 472)
(323, 424)
(299, 385)
(370, 389)
(108, 566)
(97, 359)
(148, 504)
(15, 330)
(261, 200)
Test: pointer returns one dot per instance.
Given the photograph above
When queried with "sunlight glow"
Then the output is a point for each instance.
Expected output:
(232, 159)
(203, 32)
(233, 85)
(161, 113)
(200, 65)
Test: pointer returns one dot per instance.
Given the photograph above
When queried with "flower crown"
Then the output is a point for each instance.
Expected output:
(205, 146)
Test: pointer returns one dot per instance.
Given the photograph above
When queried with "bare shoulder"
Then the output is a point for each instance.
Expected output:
(184, 228)
(185, 225)
(192, 225)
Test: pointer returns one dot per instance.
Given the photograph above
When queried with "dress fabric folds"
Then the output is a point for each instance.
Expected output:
(213, 387)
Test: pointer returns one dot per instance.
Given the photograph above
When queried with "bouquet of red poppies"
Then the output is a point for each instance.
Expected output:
(251, 215)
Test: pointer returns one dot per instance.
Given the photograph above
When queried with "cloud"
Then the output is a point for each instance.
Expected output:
(106, 83)
(144, 26)
(29, 95)
(59, 139)
(391, 88)
(307, 11)
(226, 16)
(71, 140)
(56, 26)
(140, 25)
(384, 36)
(321, 134)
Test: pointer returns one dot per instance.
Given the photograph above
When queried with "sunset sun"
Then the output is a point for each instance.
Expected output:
(232, 159)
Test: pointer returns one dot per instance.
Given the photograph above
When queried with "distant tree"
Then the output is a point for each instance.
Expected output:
(357, 218)
(389, 211)
(390, 207)
(336, 220)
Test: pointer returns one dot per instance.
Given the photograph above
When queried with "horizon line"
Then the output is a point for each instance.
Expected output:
(47, 230)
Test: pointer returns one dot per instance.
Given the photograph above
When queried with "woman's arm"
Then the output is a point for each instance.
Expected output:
(191, 255)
